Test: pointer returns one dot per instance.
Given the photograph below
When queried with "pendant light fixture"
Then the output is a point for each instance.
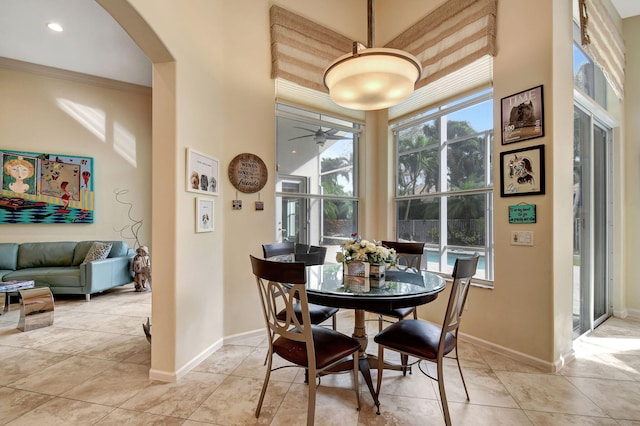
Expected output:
(372, 78)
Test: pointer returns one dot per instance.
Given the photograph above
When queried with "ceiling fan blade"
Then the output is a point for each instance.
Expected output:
(331, 132)
(302, 137)
(335, 137)
(304, 128)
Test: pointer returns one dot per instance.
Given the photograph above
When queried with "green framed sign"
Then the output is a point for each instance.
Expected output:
(522, 213)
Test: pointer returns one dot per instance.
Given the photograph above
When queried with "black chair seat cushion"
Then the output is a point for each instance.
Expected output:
(317, 313)
(398, 313)
(330, 346)
(415, 337)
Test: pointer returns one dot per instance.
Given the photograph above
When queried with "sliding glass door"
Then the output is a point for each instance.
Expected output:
(591, 218)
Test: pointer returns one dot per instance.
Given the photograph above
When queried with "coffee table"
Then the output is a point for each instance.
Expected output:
(37, 308)
(7, 287)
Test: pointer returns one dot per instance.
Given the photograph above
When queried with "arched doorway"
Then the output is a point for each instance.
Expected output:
(163, 141)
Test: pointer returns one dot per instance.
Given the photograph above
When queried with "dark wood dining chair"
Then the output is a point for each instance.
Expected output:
(408, 255)
(430, 342)
(318, 313)
(282, 286)
(306, 248)
(277, 249)
(310, 255)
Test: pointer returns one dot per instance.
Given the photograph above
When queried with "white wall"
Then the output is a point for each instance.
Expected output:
(32, 119)
(530, 305)
(631, 148)
(249, 126)
(188, 112)
(219, 99)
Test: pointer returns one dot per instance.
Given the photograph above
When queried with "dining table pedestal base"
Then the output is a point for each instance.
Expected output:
(367, 361)
(327, 286)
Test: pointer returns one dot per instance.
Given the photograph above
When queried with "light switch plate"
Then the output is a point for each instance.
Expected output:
(522, 238)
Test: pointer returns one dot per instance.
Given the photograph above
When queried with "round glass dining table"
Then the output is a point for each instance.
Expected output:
(327, 286)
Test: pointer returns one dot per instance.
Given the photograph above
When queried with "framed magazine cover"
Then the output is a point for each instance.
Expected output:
(522, 116)
(522, 171)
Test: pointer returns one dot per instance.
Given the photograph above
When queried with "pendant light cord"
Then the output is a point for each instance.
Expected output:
(370, 24)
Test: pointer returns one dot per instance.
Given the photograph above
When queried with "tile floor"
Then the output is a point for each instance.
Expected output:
(91, 368)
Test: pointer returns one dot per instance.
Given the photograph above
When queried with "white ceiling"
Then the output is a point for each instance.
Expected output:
(92, 42)
(627, 8)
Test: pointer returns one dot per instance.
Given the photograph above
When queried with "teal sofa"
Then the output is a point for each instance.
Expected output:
(59, 266)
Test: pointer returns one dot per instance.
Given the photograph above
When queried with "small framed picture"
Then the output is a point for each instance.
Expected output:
(522, 171)
(522, 116)
(202, 173)
(204, 214)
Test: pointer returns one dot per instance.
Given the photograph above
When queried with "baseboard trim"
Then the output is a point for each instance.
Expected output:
(166, 376)
(519, 356)
(235, 338)
(624, 313)
(162, 376)
(551, 367)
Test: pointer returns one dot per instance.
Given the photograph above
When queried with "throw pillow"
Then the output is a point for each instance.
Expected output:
(98, 251)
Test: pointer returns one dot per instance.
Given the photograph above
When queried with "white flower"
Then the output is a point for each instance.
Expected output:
(366, 251)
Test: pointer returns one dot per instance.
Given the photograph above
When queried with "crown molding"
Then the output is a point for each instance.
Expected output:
(77, 77)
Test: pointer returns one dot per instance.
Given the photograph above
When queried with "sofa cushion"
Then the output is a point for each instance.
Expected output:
(98, 251)
(8, 256)
(118, 248)
(82, 248)
(64, 277)
(44, 277)
(34, 255)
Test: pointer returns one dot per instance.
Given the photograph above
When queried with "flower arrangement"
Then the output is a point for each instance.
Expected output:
(357, 249)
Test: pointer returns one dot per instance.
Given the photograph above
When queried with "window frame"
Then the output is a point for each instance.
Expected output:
(442, 192)
(306, 115)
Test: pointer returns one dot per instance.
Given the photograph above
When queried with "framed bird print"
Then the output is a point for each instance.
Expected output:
(522, 171)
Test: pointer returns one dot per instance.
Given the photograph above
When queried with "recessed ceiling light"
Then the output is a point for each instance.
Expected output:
(53, 26)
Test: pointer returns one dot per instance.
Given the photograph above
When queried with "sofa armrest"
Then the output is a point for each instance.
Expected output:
(101, 275)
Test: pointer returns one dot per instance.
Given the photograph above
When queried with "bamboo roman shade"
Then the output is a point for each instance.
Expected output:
(302, 49)
(602, 39)
(458, 34)
(451, 37)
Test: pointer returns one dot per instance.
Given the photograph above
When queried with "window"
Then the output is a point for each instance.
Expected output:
(316, 187)
(587, 76)
(444, 183)
(593, 188)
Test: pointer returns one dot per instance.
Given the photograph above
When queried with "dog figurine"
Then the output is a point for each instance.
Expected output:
(141, 267)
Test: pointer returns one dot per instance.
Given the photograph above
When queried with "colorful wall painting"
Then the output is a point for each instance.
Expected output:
(45, 188)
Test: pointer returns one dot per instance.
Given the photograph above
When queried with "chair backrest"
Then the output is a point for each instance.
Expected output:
(463, 271)
(311, 258)
(302, 248)
(310, 255)
(408, 254)
(275, 296)
(277, 249)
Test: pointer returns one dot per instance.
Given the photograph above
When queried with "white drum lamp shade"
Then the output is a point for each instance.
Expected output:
(373, 78)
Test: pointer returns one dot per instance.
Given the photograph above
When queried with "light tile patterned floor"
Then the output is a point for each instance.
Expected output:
(91, 368)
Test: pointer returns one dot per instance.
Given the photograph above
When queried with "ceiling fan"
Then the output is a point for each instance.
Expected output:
(320, 136)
